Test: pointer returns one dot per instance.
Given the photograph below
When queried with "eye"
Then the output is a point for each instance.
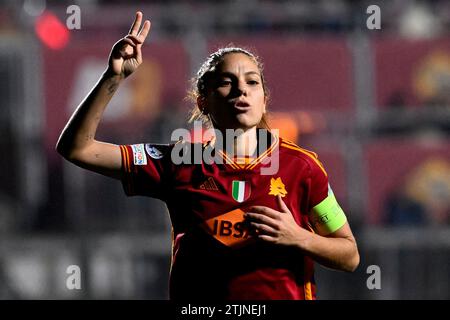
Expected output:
(253, 82)
(224, 83)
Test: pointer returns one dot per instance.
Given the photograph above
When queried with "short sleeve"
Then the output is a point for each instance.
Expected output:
(147, 170)
(318, 183)
(325, 214)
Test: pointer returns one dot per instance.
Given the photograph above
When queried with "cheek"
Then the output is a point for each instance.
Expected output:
(221, 92)
(218, 96)
(262, 103)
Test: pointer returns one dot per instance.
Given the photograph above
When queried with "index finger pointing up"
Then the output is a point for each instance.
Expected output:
(136, 24)
(282, 205)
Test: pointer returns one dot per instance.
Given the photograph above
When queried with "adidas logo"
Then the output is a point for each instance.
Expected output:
(209, 184)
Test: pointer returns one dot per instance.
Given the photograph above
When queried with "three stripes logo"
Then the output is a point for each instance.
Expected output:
(209, 185)
(240, 190)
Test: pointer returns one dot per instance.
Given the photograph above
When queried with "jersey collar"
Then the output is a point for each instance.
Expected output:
(247, 163)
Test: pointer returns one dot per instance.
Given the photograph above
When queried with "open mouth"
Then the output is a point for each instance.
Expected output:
(241, 105)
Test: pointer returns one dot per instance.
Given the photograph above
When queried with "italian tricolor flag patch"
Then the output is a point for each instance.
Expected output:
(240, 190)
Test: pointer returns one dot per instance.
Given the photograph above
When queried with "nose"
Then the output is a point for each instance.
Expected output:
(242, 87)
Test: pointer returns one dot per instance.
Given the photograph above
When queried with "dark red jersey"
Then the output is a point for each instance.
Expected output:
(215, 256)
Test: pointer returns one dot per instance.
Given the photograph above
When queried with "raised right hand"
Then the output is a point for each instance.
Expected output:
(126, 54)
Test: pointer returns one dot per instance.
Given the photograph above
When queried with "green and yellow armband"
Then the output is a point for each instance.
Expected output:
(327, 216)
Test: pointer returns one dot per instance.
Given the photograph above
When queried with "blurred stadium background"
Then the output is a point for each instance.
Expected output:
(374, 104)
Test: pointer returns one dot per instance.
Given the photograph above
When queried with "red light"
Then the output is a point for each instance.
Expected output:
(51, 31)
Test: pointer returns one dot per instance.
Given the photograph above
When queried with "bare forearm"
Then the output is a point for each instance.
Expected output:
(77, 141)
(336, 253)
(338, 250)
(80, 130)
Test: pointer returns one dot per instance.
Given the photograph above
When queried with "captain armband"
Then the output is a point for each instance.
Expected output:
(327, 216)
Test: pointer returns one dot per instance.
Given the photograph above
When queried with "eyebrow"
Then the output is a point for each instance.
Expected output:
(225, 73)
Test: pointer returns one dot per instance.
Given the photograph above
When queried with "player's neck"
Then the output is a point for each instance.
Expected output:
(241, 143)
(246, 144)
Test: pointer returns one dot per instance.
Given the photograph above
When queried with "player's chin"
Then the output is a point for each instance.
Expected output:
(245, 121)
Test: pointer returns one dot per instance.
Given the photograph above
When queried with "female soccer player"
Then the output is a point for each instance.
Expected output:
(240, 231)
